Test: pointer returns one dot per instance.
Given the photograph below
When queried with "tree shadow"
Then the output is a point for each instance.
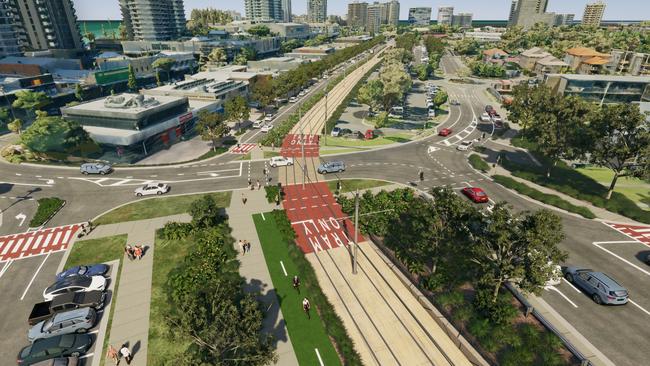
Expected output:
(270, 303)
(25, 197)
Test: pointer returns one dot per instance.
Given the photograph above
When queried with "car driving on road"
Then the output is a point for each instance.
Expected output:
(95, 168)
(599, 286)
(74, 284)
(485, 117)
(465, 145)
(152, 188)
(331, 167)
(60, 346)
(266, 128)
(477, 195)
(444, 132)
(73, 321)
(277, 161)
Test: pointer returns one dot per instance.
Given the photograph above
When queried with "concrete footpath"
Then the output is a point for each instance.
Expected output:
(254, 270)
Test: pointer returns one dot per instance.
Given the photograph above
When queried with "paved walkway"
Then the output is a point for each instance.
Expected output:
(254, 270)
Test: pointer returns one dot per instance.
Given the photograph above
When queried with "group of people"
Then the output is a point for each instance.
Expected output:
(245, 246)
(306, 305)
(134, 252)
(115, 355)
(252, 187)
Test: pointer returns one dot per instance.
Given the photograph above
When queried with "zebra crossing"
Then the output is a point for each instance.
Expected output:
(37, 242)
(242, 148)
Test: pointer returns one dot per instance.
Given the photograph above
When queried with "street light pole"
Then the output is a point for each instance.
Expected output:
(304, 162)
(325, 126)
(356, 232)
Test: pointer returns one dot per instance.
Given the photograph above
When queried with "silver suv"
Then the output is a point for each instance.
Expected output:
(331, 167)
(73, 321)
(602, 288)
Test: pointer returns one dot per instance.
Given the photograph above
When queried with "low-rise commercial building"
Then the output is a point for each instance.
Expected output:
(529, 58)
(602, 88)
(142, 65)
(549, 65)
(484, 37)
(275, 64)
(203, 46)
(311, 53)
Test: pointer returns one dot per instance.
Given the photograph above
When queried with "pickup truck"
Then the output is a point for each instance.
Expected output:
(44, 310)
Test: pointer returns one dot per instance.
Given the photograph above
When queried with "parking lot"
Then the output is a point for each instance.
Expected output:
(22, 283)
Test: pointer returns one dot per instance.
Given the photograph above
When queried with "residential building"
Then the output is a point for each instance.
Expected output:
(483, 37)
(593, 14)
(316, 11)
(420, 16)
(563, 19)
(463, 20)
(374, 18)
(264, 10)
(153, 20)
(445, 14)
(526, 13)
(494, 54)
(10, 31)
(513, 12)
(586, 61)
(357, 15)
(629, 63)
(393, 12)
(529, 58)
(47, 24)
(286, 11)
(549, 65)
(602, 88)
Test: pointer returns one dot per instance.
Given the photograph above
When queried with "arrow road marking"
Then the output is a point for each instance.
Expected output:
(21, 216)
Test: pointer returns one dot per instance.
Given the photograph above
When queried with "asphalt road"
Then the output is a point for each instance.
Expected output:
(621, 333)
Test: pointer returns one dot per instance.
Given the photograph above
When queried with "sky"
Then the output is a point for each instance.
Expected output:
(482, 9)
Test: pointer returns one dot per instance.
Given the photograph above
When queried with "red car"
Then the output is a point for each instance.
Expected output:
(444, 132)
(476, 194)
(369, 135)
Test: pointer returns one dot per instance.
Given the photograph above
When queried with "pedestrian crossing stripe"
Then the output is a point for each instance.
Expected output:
(37, 242)
(242, 148)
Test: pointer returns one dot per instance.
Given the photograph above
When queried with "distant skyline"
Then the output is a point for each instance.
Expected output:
(482, 9)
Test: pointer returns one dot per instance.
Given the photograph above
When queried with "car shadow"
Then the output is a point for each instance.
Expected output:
(644, 256)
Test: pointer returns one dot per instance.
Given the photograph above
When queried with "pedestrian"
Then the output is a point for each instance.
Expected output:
(128, 250)
(243, 198)
(306, 306)
(250, 181)
(126, 353)
(273, 146)
(258, 185)
(242, 245)
(483, 136)
(421, 175)
(296, 283)
(277, 199)
(137, 252)
(112, 355)
(238, 145)
(247, 246)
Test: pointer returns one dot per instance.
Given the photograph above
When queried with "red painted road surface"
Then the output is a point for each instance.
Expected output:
(292, 146)
(317, 218)
(36, 242)
(636, 232)
(243, 148)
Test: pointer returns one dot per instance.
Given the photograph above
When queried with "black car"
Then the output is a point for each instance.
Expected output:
(647, 259)
(75, 300)
(59, 346)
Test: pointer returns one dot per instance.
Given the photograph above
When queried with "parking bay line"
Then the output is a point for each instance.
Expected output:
(34, 277)
(547, 288)
(599, 243)
(639, 306)
(570, 284)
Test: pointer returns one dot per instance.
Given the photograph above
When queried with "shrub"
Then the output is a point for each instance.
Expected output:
(272, 193)
(47, 207)
(176, 230)
(499, 312)
(478, 163)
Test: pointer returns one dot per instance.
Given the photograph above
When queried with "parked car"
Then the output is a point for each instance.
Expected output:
(67, 322)
(59, 361)
(431, 113)
(488, 108)
(60, 346)
(293, 100)
(477, 195)
(95, 168)
(152, 188)
(280, 100)
(277, 161)
(76, 300)
(331, 167)
(454, 102)
(266, 128)
(465, 145)
(647, 259)
(444, 132)
(259, 123)
(346, 132)
(90, 270)
(485, 117)
(74, 284)
(336, 131)
(269, 117)
(302, 93)
(369, 135)
(599, 286)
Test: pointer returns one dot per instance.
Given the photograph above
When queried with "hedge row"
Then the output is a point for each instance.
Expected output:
(46, 208)
(332, 323)
(478, 163)
(549, 199)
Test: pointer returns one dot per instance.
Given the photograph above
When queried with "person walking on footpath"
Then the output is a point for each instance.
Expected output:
(128, 250)
(243, 199)
(296, 283)
(126, 353)
(242, 245)
(111, 354)
(421, 175)
(258, 185)
(247, 246)
(306, 306)
(137, 252)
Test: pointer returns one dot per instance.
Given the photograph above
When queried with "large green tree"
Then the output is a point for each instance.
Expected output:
(620, 139)
(132, 82)
(217, 56)
(54, 134)
(440, 98)
(211, 126)
(165, 64)
(262, 91)
(371, 94)
(30, 101)
(259, 30)
(236, 109)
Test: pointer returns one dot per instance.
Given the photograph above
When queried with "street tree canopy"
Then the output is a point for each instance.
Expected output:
(54, 134)
(30, 100)
(211, 126)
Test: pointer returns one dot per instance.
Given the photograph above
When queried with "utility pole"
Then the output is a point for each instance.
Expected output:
(325, 126)
(356, 232)
(304, 162)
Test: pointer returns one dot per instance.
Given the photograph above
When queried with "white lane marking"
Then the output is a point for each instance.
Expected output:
(67, 235)
(57, 237)
(47, 240)
(283, 269)
(598, 243)
(570, 284)
(547, 288)
(87, 355)
(263, 218)
(5, 268)
(34, 277)
(639, 306)
(319, 359)
(26, 184)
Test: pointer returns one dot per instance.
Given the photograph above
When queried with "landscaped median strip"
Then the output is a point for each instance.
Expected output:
(549, 199)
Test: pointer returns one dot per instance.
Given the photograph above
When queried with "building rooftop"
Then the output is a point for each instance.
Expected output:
(552, 61)
(495, 51)
(619, 78)
(585, 52)
(535, 52)
(596, 61)
(130, 108)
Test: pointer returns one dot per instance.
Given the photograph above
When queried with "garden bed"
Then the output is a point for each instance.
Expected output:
(47, 208)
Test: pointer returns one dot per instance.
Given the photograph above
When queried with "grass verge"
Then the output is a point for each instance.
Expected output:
(351, 185)
(383, 140)
(158, 207)
(633, 188)
(306, 334)
(549, 199)
(478, 163)
(270, 154)
(100, 251)
(46, 208)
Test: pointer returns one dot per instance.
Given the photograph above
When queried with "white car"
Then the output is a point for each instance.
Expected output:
(485, 117)
(465, 145)
(431, 113)
(267, 127)
(74, 284)
(152, 188)
(293, 100)
(258, 124)
(277, 161)
(269, 117)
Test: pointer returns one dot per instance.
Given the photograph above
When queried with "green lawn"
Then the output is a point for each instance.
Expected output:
(270, 154)
(100, 251)
(245, 157)
(158, 207)
(306, 334)
(633, 188)
(167, 256)
(351, 185)
(384, 140)
(337, 151)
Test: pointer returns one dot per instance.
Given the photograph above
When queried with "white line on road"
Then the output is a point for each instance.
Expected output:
(561, 294)
(87, 355)
(570, 284)
(319, 359)
(639, 306)
(283, 269)
(597, 244)
(34, 277)
(5, 268)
